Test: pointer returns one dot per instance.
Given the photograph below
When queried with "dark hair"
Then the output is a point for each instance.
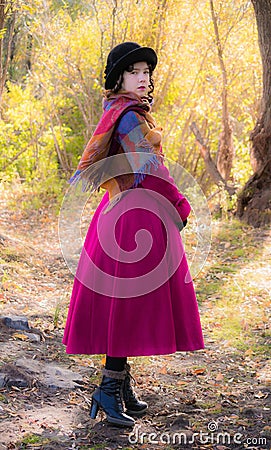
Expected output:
(130, 68)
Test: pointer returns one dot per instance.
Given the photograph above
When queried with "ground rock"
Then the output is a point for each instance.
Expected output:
(33, 337)
(10, 376)
(2, 380)
(50, 375)
(16, 322)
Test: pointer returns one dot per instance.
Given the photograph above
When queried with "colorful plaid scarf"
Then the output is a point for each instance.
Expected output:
(102, 144)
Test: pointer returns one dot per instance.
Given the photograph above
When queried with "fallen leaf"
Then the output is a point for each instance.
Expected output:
(180, 383)
(20, 336)
(163, 370)
(249, 352)
(200, 371)
(234, 416)
(261, 394)
(219, 377)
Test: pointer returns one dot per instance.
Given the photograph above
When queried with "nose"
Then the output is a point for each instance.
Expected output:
(142, 76)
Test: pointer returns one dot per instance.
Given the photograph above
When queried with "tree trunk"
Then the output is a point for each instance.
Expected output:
(254, 203)
(7, 25)
(225, 152)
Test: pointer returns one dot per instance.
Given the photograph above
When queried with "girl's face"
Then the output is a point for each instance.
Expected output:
(137, 80)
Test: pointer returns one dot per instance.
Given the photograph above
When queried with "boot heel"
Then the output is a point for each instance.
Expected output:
(94, 409)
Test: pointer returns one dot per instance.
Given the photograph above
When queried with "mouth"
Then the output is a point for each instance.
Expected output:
(141, 88)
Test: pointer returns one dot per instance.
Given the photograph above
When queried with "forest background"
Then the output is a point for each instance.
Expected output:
(213, 100)
(208, 84)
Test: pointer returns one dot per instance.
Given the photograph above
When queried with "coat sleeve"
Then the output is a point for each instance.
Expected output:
(160, 181)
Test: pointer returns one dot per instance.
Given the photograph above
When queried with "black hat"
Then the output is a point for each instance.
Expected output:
(122, 56)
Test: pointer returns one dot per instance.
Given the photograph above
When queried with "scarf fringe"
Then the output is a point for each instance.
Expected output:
(85, 176)
(75, 177)
(101, 143)
(145, 170)
(89, 183)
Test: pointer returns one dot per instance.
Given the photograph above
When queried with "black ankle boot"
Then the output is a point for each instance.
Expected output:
(108, 396)
(134, 407)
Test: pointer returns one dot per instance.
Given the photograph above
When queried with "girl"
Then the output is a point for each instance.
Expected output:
(132, 294)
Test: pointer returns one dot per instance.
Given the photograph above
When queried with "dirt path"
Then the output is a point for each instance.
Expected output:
(217, 398)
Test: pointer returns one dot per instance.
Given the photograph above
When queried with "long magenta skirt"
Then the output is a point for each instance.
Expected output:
(132, 294)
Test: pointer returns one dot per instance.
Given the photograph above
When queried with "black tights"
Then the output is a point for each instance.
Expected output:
(113, 363)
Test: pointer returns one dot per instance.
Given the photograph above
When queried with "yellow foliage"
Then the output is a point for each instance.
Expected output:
(68, 55)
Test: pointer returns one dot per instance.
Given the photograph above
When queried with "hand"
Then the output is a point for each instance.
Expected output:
(181, 224)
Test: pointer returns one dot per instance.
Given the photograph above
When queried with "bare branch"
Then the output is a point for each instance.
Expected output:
(209, 162)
